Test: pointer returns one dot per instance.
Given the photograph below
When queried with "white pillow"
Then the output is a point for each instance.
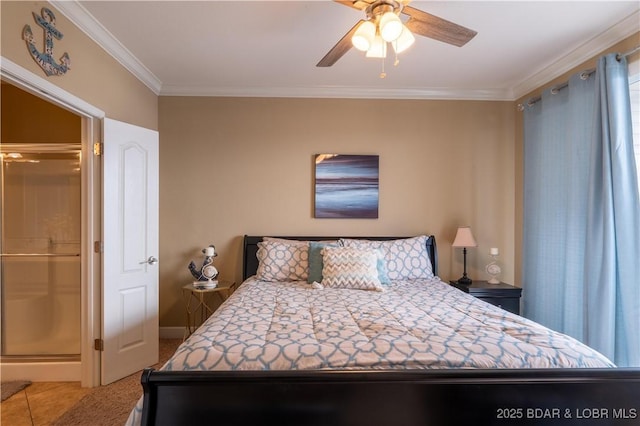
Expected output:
(345, 267)
(279, 260)
(406, 258)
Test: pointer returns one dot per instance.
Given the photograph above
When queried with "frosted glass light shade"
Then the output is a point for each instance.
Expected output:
(405, 40)
(364, 35)
(378, 49)
(390, 26)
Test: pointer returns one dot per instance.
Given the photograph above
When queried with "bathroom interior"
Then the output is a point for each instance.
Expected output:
(40, 241)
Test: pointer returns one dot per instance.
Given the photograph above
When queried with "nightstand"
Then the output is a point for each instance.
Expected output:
(198, 302)
(502, 295)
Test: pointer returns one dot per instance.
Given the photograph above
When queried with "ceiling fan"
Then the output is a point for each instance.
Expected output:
(383, 26)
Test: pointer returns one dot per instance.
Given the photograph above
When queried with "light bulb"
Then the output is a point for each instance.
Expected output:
(364, 35)
(390, 26)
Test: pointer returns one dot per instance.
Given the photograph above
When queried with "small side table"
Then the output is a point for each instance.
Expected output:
(502, 295)
(198, 302)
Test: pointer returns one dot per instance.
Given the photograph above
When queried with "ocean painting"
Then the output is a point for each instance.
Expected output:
(347, 186)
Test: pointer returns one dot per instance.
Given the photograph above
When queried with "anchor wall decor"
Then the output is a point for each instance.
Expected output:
(45, 59)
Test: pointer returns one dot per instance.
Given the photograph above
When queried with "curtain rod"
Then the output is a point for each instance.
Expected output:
(583, 75)
(629, 53)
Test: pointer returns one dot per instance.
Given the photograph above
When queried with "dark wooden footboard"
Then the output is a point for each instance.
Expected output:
(406, 397)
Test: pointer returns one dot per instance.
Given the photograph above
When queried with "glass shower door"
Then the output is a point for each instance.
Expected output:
(40, 250)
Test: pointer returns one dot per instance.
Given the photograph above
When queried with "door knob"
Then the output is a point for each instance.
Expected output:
(151, 261)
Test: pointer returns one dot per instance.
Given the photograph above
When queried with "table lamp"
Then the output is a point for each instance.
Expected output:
(464, 238)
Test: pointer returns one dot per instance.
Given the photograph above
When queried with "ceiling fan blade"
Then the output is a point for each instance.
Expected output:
(431, 26)
(356, 4)
(339, 49)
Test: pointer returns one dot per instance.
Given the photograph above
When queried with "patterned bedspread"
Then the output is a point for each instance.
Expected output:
(414, 324)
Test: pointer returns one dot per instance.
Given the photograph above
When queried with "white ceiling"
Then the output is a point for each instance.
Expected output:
(270, 48)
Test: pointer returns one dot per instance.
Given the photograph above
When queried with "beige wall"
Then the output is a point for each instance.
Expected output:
(94, 77)
(621, 47)
(29, 119)
(234, 166)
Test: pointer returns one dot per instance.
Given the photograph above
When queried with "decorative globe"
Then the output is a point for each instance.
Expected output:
(209, 272)
(493, 269)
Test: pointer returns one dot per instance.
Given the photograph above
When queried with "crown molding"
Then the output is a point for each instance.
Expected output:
(603, 41)
(81, 18)
(339, 92)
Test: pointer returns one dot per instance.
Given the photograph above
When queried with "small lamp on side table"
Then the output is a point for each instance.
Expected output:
(464, 238)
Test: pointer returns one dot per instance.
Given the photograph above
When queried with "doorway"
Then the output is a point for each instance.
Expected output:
(40, 236)
(48, 128)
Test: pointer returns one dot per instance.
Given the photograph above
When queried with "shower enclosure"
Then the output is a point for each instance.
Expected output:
(40, 264)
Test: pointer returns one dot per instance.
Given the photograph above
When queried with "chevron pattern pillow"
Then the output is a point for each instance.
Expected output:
(345, 267)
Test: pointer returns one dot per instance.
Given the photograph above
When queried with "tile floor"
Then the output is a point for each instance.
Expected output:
(40, 403)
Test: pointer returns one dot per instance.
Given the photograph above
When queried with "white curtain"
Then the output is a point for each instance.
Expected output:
(581, 253)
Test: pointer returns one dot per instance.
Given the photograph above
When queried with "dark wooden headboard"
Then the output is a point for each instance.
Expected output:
(250, 248)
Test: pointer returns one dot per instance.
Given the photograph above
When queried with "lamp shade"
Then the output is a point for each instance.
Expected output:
(403, 42)
(363, 37)
(464, 238)
(378, 48)
(390, 26)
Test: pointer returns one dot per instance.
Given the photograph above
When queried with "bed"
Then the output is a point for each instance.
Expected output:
(360, 330)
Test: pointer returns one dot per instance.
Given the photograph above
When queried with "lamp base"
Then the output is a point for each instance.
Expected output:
(465, 280)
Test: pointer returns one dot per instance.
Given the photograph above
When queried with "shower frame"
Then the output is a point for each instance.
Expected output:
(32, 151)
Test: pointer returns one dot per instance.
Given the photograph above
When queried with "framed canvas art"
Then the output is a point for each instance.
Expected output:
(346, 186)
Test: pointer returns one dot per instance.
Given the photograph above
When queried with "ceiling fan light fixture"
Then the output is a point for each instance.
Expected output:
(382, 25)
(378, 48)
(390, 26)
(403, 42)
(364, 35)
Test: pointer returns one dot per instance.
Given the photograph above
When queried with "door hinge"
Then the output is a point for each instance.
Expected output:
(98, 247)
(98, 148)
(98, 345)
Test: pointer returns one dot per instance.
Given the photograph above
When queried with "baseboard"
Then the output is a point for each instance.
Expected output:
(41, 371)
(171, 332)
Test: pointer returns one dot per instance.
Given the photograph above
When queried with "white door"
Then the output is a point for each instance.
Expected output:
(130, 238)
